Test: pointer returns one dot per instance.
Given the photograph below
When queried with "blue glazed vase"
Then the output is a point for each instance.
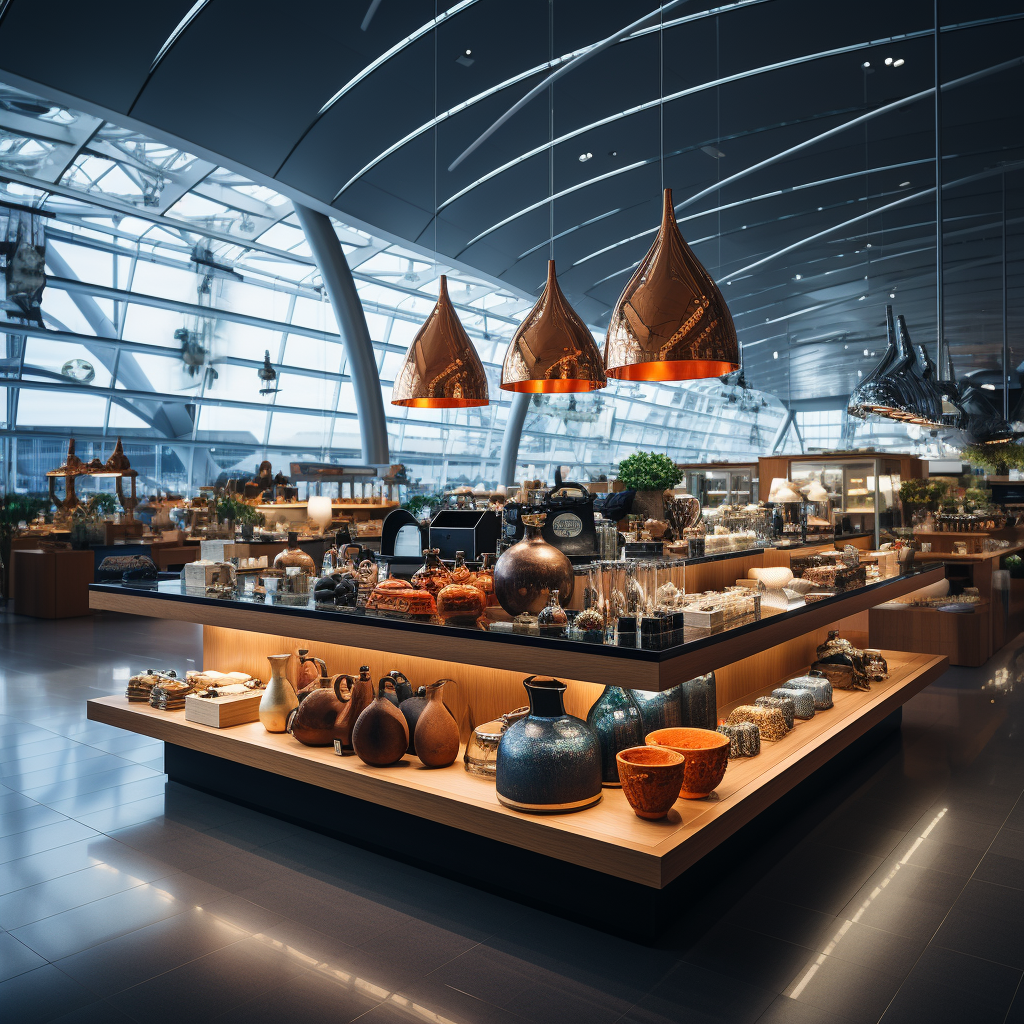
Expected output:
(615, 720)
(548, 762)
(693, 704)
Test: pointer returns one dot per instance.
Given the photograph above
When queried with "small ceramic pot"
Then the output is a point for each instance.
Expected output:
(380, 736)
(706, 753)
(437, 733)
(279, 699)
(651, 779)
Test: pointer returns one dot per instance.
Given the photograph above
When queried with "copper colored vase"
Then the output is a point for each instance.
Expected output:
(320, 719)
(380, 735)
(360, 698)
(437, 733)
(530, 571)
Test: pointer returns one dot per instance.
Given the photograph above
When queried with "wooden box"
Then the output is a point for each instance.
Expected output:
(52, 584)
(221, 712)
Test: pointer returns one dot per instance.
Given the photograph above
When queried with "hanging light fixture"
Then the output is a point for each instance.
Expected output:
(552, 349)
(442, 369)
(671, 321)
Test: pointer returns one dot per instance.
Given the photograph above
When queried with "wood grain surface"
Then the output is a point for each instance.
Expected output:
(607, 838)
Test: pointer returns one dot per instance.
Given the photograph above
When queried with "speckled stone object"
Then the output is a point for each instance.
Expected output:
(819, 687)
(744, 739)
(784, 704)
(803, 700)
(769, 721)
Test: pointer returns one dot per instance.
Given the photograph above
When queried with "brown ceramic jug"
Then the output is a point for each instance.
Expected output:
(321, 718)
(380, 735)
(437, 733)
(360, 698)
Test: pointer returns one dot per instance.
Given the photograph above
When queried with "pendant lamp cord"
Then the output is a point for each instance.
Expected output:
(436, 261)
(551, 134)
(661, 89)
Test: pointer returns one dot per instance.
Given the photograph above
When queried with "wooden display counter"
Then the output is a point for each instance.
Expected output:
(448, 820)
(964, 638)
(607, 838)
(52, 584)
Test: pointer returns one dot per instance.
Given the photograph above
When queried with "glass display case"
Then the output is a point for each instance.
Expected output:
(715, 485)
(862, 494)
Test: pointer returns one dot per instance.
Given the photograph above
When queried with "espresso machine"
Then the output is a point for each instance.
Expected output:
(568, 526)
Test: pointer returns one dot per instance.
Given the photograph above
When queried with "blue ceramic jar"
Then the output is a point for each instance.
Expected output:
(548, 762)
(615, 720)
(693, 704)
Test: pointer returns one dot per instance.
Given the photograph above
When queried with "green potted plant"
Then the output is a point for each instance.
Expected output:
(1016, 566)
(418, 502)
(235, 511)
(649, 474)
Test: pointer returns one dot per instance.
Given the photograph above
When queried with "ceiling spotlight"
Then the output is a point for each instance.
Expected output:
(862, 298)
(584, 157)
(888, 61)
(860, 373)
(866, 64)
(775, 355)
(797, 277)
(865, 351)
(468, 53)
(868, 246)
(904, 184)
(898, 63)
(892, 295)
(613, 152)
(465, 58)
(989, 387)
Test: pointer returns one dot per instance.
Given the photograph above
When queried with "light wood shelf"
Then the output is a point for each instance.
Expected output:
(608, 838)
(634, 669)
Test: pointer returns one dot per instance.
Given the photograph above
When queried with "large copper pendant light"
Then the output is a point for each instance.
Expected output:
(442, 369)
(671, 321)
(552, 350)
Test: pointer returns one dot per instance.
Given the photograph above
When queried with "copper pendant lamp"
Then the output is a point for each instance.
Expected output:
(442, 369)
(671, 321)
(552, 350)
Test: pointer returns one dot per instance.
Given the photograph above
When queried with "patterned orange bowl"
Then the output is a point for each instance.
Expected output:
(707, 755)
(651, 778)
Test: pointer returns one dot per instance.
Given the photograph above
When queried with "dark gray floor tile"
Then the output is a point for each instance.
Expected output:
(761, 960)
(84, 803)
(954, 829)
(830, 983)
(39, 840)
(880, 951)
(986, 982)
(111, 819)
(901, 915)
(690, 993)
(240, 913)
(100, 1012)
(57, 895)
(860, 836)
(145, 953)
(791, 1011)
(250, 833)
(217, 982)
(41, 995)
(312, 996)
(16, 958)
(74, 930)
(25, 818)
(981, 935)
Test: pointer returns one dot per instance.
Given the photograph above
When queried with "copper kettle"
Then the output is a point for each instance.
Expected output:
(323, 716)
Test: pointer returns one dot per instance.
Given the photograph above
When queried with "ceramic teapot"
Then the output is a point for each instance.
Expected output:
(322, 717)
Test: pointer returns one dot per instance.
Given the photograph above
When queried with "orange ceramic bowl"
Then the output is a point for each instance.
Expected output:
(651, 778)
(706, 752)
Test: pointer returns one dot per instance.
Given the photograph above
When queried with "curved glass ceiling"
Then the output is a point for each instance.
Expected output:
(170, 277)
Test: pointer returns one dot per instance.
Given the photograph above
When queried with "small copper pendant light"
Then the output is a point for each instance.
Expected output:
(671, 321)
(552, 350)
(442, 369)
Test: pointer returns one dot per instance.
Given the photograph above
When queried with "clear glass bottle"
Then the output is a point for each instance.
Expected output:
(552, 620)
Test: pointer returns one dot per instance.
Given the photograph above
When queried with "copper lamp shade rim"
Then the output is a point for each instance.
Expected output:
(553, 385)
(675, 369)
(440, 403)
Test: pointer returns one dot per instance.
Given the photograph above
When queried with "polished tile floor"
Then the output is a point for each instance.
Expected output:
(898, 895)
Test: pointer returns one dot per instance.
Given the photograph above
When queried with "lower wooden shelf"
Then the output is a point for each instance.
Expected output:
(607, 838)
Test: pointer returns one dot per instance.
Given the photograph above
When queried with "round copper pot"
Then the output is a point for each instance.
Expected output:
(529, 572)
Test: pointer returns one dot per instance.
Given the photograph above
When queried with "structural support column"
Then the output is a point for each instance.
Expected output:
(348, 311)
(940, 347)
(510, 439)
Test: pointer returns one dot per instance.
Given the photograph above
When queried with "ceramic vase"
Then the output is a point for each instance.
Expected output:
(411, 705)
(548, 762)
(616, 722)
(529, 572)
(320, 719)
(360, 698)
(380, 736)
(436, 736)
(662, 710)
(279, 699)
